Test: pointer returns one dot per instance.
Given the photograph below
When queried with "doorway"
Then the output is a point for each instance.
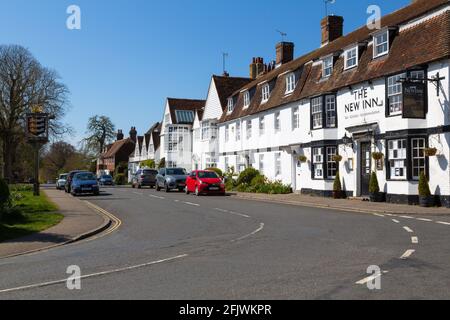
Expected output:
(366, 167)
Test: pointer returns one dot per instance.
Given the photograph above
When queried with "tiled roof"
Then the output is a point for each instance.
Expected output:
(140, 140)
(183, 105)
(114, 148)
(226, 86)
(409, 48)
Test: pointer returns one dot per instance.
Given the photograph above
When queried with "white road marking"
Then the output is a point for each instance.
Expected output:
(261, 227)
(192, 204)
(444, 223)
(156, 197)
(379, 215)
(415, 240)
(176, 200)
(139, 194)
(233, 213)
(396, 221)
(406, 217)
(51, 283)
(371, 278)
(407, 254)
(408, 229)
(426, 220)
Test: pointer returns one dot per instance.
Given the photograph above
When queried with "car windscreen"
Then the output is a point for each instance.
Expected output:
(63, 177)
(106, 177)
(85, 177)
(149, 173)
(207, 175)
(176, 172)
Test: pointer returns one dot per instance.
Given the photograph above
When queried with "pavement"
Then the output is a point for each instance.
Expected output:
(175, 246)
(80, 222)
(344, 204)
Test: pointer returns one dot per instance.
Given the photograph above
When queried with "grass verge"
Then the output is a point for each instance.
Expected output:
(30, 215)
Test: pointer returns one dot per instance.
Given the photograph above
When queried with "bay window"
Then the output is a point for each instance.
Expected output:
(395, 91)
(332, 166)
(330, 110)
(406, 158)
(238, 131)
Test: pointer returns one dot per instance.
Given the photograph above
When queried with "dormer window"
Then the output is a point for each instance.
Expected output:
(290, 83)
(265, 93)
(327, 67)
(230, 105)
(246, 99)
(381, 44)
(351, 58)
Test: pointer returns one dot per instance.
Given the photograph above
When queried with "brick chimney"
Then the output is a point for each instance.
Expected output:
(257, 67)
(285, 53)
(120, 135)
(133, 134)
(332, 28)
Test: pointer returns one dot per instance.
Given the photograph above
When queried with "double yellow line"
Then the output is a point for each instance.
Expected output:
(116, 222)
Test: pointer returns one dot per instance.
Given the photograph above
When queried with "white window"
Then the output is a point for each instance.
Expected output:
(277, 121)
(317, 113)
(351, 58)
(249, 129)
(265, 93)
(398, 159)
(296, 118)
(238, 131)
(277, 164)
(381, 44)
(261, 163)
(246, 99)
(330, 110)
(331, 164)
(327, 67)
(262, 126)
(227, 133)
(395, 94)
(318, 163)
(230, 105)
(418, 157)
(290, 83)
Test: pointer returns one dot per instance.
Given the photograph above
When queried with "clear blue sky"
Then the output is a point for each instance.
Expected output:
(132, 54)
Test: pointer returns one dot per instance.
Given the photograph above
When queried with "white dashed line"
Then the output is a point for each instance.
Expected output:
(415, 240)
(139, 194)
(407, 254)
(156, 197)
(406, 217)
(233, 213)
(409, 230)
(192, 204)
(369, 279)
(261, 227)
(379, 215)
(396, 221)
(444, 223)
(425, 220)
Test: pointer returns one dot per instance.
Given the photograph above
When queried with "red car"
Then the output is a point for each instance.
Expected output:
(204, 182)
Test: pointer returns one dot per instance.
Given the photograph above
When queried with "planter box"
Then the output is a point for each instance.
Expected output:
(378, 197)
(427, 202)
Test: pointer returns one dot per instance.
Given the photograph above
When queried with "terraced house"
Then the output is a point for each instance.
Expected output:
(383, 92)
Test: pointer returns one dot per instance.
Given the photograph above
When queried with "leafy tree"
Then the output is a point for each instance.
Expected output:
(24, 85)
(162, 163)
(100, 131)
(149, 164)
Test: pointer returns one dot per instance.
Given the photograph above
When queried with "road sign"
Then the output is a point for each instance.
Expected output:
(37, 127)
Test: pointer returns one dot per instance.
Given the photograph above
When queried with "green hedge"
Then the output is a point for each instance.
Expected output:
(120, 179)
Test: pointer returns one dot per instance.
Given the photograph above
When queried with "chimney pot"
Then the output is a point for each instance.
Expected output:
(332, 28)
(120, 135)
(285, 52)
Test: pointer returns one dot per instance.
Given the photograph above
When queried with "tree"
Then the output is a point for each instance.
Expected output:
(148, 164)
(25, 84)
(100, 131)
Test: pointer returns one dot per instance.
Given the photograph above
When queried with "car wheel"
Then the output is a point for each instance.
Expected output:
(158, 188)
(166, 188)
(186, 190)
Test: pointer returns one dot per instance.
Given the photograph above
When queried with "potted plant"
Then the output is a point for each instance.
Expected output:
(430, 152)
(425, 198)
(337, 158)
(377, 156)
(374, 189)
(337, 187)
(302, 158)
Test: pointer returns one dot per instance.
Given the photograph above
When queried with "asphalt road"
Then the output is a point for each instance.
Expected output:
(174, 246)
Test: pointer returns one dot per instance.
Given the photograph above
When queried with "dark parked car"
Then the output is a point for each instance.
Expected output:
(171, 179)
(106, 180)
(68, 185)
(144, 178)
(85, 183)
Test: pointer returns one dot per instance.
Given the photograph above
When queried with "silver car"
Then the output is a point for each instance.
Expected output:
(171, 179)
(61, 181)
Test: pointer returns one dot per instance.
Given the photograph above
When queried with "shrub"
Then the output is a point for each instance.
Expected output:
(374, 187)
(230, 184)
(216, 170)
(149, 164)
(337, 186)
(21, 188)
(247, 176)
(162, 163)
(259, 180)
(13, 215)
(119, 179)
(424, 187)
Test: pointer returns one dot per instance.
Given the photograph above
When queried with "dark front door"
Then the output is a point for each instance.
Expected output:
(366, 167)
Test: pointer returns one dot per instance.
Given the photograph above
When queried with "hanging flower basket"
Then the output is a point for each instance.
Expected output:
(430, 152)
(337, 158)
(302, 159)
(377, 156)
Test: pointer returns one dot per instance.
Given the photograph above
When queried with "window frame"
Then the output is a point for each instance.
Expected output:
(265, 93)
(322, 113)
(330, 113)
(238, 131)
(377, 54)
(230, 105)
(262, 125)
(227, 133)
(261, 163)
(347, 59)
(290, 83)
(296, 118)
(278, 164)
(318, 112)
(277, 121)
(327, 64)
(246, 99)
(248, 129)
